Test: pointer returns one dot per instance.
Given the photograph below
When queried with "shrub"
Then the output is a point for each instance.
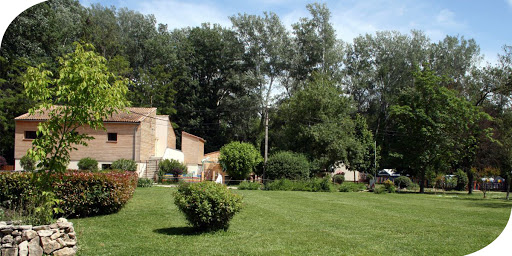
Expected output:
(207, 206)
(312, 185)
(338, 178)
(28, 163)
(352, 187)
(124, 165)
(246, 185)
(239, 159)
(81, 193)
(172, 166)
(403, 182)
(144, 183)
(380, 190)
(88, 164)
(414, 186)
(450, 183)
(389, 186)
(462, 180)
(287, 165)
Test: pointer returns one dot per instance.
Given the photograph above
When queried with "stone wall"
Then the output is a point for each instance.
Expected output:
(57, 239)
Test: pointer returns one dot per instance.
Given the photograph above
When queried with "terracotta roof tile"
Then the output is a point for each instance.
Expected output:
(131, 115)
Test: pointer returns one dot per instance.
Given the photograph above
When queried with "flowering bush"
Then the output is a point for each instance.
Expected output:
(81, 193)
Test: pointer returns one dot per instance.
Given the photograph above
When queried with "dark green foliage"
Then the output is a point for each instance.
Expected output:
(2, 161)
(403, 182)
(311, 185)
(239, 159)
(207, 206)
(171, 166)
(389, 186)
(88, 164)
(352, 187)
(124, 165)
(338, 178)
(287, 165)
(380, 190)
(246, 185)
(81, 193)
(462, 180)
(144, 183)
(28, 163)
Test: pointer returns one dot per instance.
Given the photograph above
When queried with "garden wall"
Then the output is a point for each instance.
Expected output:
(57, 239)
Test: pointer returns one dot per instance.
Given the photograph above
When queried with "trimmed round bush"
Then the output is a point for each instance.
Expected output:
(207, 206)
(239, 159)
(124, 164)
(403, 182)
(287, 165)
(88, 164)
(338, 178)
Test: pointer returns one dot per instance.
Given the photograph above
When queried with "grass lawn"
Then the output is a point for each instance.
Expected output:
(303, 223)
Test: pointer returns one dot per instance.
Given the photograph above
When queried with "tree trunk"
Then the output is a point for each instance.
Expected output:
(422, 184)
(470, 181)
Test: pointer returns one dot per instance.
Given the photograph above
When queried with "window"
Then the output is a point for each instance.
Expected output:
(30, 135)
(112, 136)
(105, 166)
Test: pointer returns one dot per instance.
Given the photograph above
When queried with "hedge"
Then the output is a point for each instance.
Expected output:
(82, 193)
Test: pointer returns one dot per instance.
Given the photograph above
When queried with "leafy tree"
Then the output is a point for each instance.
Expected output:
(28, 163)
(82, 93)
(436, 121)
(239, 159)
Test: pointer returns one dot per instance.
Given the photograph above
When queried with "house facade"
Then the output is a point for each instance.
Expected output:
(138, 134)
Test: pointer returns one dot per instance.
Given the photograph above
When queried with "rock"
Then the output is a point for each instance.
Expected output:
(54, 226)
(61, 242)
(34, 247)
(7, 239)
(25, 227)
(72, 235)
(7, 229)
(62, 220)
(64, 225)
(65, 252)
(23, 248)
(9, 251)
(7, 245)
(56, 235)
(3, 223)
(18, 239)
(29, 234)
(16, 233)
(44, 233)
(70, 243)
(43, 227)
(49, 245)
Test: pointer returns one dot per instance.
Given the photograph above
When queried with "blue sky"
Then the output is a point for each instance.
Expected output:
(488, 22)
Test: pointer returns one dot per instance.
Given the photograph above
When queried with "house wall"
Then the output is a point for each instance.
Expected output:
(174, 154)
(96, 148)
(192, 148)
(212, 167)
(349, 174)
(171, 137)
(161, 137)
(147, 137)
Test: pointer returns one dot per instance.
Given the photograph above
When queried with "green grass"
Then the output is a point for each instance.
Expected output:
(303, 223)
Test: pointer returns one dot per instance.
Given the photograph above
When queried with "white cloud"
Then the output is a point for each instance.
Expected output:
(509, 2)
(177, 14)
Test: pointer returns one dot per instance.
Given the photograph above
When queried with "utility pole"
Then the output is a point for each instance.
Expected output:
(266, 145)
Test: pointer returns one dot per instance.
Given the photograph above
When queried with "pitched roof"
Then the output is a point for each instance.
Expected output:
(131, 115)
(192, 135)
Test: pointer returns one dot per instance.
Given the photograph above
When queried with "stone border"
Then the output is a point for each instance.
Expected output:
(57, 239)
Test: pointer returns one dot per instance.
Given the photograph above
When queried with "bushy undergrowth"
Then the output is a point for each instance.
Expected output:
(246, 185)
(403, 182)
(312, 185)
(207, 206)
(144, 183)
(389, 186)
(88, 164)
(79, 193)
(124, 165)
(338, 178)
(352, 187)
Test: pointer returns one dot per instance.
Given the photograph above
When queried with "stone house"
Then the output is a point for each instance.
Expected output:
(136, 133)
